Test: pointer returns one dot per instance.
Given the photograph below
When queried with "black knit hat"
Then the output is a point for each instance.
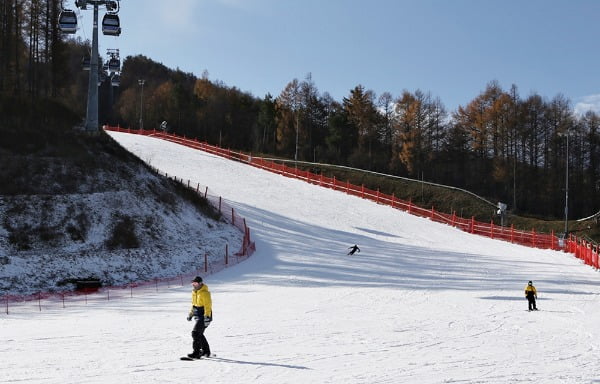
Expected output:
(197, 279)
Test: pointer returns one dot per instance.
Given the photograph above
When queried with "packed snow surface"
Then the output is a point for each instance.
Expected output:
(421, 303)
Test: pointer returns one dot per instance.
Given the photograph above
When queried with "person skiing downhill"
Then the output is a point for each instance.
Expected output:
(353, 249)
(531, 295)
(201, 312)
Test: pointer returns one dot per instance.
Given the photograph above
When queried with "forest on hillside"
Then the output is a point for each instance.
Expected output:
(501, 145)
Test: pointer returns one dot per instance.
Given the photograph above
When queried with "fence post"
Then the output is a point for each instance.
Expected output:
(243, 246)
(226, 254)
(205, 262)
(232, 216)
(492, 229)
(393, 198)
(472, 224)
(588, 254)
(40, 300)
(220, 204)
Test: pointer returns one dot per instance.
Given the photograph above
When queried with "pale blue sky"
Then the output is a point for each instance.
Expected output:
(451, 48)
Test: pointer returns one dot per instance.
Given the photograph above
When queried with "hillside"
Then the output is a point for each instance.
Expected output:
(78, 206)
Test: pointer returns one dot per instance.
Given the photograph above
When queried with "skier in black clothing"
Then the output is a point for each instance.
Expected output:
(353, 249)
(531, 295)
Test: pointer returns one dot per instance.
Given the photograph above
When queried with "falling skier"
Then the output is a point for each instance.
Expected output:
(201, 312)
(531, 295)
(353, 249)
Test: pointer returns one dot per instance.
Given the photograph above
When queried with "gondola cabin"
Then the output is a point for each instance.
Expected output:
(86, 63)
(67, 21)
(115, 80)
(111, 25)
(114, 65)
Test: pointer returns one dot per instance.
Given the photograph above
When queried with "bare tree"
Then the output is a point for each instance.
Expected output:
(288, 105)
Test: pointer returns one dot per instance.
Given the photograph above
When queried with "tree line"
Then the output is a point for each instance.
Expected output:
(36, 60)
(499, 145)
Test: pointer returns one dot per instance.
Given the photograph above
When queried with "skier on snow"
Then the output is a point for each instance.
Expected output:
(201, 312)
(531, 295)
(353, 249)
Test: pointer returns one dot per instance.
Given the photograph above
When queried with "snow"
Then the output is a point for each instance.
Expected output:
(422, 303)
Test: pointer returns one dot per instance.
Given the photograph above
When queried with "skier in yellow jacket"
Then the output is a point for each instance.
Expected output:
(531, 295)
(201, 312)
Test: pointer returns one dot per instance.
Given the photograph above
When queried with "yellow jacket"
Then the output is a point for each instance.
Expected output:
(530, 289)
(201, 298)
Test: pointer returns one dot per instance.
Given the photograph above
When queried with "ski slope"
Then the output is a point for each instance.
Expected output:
(422, 303)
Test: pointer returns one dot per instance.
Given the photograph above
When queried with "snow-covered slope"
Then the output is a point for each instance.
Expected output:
(129, 226)
(421, 303)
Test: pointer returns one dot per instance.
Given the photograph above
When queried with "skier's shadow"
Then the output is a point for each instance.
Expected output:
(258, 363)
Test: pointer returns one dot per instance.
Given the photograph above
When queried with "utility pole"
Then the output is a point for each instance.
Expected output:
(91, 120)
(567, 134)
(567, 188)
(141, 83)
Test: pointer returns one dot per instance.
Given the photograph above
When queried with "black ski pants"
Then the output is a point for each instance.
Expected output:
(199, 340)
(531, 301)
